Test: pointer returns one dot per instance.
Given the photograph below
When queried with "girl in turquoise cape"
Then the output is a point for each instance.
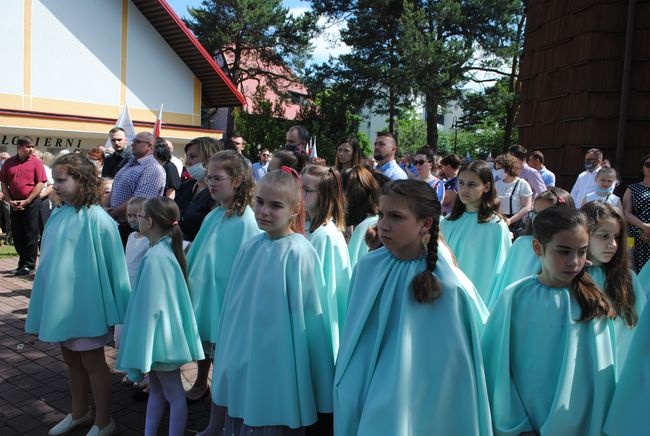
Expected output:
(610, 269)
(549, 353)
(81, 290)
(160, 332)
(410, 359)
(209, 261)
(475, 231)
(362, 203)
(521, 260)
(325, 206)
(644, 277)
(628, 414)
(273, 364)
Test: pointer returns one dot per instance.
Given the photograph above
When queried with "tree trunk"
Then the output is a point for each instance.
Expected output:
(432, 122)
(513, 87)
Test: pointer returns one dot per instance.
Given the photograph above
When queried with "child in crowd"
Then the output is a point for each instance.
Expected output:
(273, 359)
(394, 373)
(362, 204)
(549, 355)
(160, 332)
(325, 206)
(475, 220)
(211, 256)
(81, 290)
(606, 182)
(521, 260)
(610, 269)
(137, 244)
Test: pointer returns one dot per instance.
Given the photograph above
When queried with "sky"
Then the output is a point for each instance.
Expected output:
(325, 44)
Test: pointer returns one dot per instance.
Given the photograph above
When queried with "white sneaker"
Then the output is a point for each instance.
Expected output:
(109, 430)
(68, 423)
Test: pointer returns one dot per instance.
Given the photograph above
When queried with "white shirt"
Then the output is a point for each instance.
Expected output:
(585, 183)
(506, 190)
(612, 199)
(136, 246)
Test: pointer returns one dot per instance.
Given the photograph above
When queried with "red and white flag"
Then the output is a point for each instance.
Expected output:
(158, 126)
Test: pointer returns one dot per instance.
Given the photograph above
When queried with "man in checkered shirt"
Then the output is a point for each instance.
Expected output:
(142, 176)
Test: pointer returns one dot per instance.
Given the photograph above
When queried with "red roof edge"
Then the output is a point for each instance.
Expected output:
(190, 36)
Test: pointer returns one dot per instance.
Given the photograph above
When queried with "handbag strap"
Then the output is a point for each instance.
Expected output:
(511, 194)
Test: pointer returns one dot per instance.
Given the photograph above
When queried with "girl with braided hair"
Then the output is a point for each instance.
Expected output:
(393, 373)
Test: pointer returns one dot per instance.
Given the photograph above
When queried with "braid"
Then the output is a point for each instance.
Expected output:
(426, 286)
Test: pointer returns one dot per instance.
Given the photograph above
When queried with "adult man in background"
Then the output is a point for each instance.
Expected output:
(586, 181)
(141, 176)
(531, 175)
(120, 156)
(262, 167)
(385, 151)
(23, 178)
(536, 161)
(240, 146)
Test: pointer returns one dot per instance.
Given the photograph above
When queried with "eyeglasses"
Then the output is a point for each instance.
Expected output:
(265, 155)
(420, 162)
(216, 179)
(138, 141)
(646, 164)
(138, 216)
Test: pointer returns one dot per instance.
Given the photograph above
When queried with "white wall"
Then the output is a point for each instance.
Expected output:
(11, 47)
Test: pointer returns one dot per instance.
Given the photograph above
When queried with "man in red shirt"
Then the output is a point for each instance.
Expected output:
(23, 177)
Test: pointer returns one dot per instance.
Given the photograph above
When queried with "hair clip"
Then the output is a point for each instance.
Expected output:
(291, 171)
(174, 223)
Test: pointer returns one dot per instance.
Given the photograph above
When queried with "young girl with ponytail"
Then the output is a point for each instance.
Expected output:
(549, 352)
(325, 205)
(411, 315)
(160, 333)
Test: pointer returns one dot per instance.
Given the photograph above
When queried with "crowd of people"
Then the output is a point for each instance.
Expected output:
(427, 296)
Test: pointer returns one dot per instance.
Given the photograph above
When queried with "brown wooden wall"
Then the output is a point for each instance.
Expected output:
(571, 81)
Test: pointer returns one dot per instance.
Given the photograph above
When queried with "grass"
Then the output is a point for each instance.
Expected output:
(7, 251)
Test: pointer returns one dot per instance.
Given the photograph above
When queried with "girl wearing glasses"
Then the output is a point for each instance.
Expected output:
(160, 333)
(211, 256)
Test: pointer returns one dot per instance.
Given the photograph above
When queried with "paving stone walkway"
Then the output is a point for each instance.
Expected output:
(34, 393)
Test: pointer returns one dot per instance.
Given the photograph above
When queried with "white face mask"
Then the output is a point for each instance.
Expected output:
(197, 171)
(491, 164)
(501, 174)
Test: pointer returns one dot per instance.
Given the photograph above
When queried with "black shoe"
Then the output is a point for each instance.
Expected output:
(23, 271)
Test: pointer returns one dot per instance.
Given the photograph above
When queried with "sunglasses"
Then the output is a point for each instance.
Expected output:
(646, 164)
(420, 162)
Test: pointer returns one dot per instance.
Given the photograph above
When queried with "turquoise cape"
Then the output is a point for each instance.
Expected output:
(406, 368)
(520, 262)
(628, 414)
(159, 330)
(332, 251)
(480, 249)
(273, 360)
(81, 286)
(209, 263)
(545, 371)
(357, 246)
(622, 332)
(644, 278)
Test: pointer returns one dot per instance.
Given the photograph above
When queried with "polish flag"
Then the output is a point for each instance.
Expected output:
(157, 127)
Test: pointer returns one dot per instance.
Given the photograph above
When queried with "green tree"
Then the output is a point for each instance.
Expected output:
(254, 39)
(411, 131)
(438, 43)
(264, 127)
